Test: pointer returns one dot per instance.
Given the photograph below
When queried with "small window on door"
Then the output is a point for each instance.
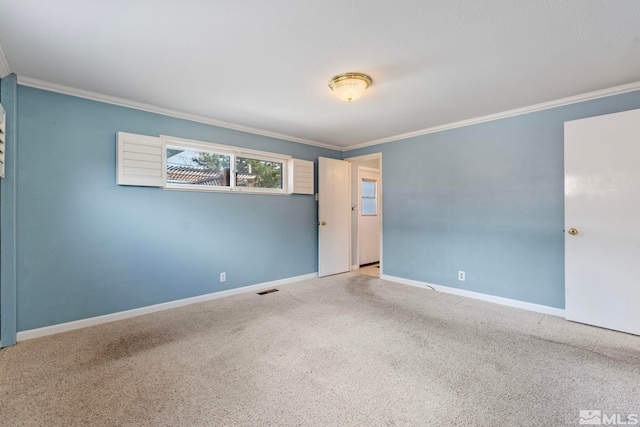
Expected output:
(369, 201)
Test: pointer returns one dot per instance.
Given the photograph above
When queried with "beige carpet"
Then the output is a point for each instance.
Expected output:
(343, 350)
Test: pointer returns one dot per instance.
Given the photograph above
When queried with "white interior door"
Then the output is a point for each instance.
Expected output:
(602, 202)
(368, 215)
(334, 216)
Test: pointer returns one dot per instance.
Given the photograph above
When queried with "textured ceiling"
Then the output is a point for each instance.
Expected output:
(265, 64)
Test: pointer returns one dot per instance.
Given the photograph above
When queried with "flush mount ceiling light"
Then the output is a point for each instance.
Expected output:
(349, 86)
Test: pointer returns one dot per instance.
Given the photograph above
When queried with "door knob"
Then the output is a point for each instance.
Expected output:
(572, 231)
(323, 223)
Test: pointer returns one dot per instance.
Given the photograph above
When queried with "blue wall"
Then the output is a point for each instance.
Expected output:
(87, 247)
(9, 99)
(487, 199)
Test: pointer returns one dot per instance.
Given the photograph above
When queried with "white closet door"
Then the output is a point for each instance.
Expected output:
(602, 202)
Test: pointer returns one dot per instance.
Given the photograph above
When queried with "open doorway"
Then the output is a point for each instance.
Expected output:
(366, 214)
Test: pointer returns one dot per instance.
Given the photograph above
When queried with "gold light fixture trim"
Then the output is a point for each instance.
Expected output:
(350, 86)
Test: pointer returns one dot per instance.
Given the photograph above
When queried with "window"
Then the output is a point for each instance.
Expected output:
(193, 165)
(199, 168)
(258, 173)
(181, 164)
(369, 197)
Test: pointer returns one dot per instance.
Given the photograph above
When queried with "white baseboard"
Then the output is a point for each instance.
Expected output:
(83, 323)
(355, 267)
(476, 295)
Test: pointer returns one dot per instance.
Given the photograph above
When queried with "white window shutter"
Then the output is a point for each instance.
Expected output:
(301, 176)
(140, 160)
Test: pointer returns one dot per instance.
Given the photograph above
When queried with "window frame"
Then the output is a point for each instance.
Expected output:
(375, 196)
(233, 153)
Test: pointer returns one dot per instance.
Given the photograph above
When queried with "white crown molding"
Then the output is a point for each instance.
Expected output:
(5, 70)
(544, 309)
(67, 90)
(92, 321)
(80, 93)
(617, 90)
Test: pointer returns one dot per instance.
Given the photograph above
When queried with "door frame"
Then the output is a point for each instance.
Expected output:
(352, 160)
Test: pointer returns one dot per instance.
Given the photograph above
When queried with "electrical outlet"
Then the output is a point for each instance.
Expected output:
(223, 277)
(461, 276)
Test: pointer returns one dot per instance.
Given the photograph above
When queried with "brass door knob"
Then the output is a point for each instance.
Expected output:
(572, 231)
(323, 223)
